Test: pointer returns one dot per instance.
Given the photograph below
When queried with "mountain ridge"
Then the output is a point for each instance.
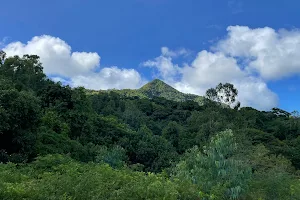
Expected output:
(156, 88)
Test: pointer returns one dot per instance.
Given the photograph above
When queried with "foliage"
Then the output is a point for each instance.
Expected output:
(273, 176)
(215, 169)
(155, 88)
(59, 177)
(19, 116)
(155, 142)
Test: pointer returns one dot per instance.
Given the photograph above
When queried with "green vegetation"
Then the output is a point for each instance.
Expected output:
(58, 142)
(155, 88)
(59, 177)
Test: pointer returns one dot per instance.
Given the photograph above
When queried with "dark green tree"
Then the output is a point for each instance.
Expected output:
(26, 72)
(19, 119)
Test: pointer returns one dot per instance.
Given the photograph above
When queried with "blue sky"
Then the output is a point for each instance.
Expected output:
(139, 40)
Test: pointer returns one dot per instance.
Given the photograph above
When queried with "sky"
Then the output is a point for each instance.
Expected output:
(192, 45)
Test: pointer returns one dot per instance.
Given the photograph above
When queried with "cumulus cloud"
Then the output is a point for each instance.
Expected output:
(56, 55)
(210, 68)
(255, 93)
(78, 67)
(252, 92)
(165, 51)
(109, 78)
(164, 64)
(246, 57)
(272, 54)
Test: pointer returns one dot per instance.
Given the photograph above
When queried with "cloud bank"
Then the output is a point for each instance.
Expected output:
(80, 68)
(210, 68)
(273, 55)
(248, 58)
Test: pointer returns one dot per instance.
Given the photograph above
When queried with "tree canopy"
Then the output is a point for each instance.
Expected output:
(59, 142)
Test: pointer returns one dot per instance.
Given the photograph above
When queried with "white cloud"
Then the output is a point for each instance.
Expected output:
(56, 56)
(109, 78)
(60, 79)
(264, 54)
(209, 69)
(272, 54)
(80, 67)
(252, 92)
(3, 41)
(247, 57)
(255, 93)
(165, 51)
(167, 70)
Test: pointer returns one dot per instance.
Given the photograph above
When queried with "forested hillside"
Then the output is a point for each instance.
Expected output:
(155, 88)
(58, 142)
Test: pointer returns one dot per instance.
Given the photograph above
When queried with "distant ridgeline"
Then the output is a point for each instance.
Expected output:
(156, 88)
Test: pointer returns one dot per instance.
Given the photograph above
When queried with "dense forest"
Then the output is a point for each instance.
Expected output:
(58, 142)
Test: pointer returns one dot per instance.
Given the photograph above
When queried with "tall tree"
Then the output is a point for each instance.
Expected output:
(215, 169)
(2, 57)
(224, 93)
(26, 72)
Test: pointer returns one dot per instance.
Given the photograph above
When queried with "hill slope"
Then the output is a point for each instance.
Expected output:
(157, 88)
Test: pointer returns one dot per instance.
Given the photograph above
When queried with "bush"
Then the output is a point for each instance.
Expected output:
(60, 177)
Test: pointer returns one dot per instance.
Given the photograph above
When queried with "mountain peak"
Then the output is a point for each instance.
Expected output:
(155, 81)
(157, 86)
